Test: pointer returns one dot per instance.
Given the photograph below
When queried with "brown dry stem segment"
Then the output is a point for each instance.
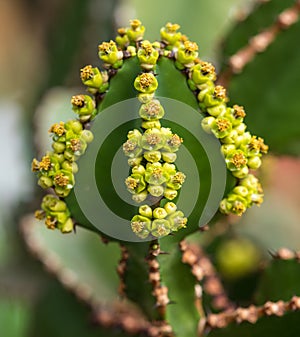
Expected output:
(252, 313)
(204, 271)
(121, 270)
(259, 43)
(286, 254)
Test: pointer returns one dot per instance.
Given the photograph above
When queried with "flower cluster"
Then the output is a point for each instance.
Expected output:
(241, 150)
(152, 154)
(55, 213)
(95, 80)
(56, 169)
(158, 222)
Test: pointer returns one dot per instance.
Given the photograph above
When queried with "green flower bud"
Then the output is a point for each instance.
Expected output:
(241, 173)
(122, 39)
(145, 97)
(206, 88)
(251, 182)
(152, 156)
(62, 192)
(147, 55)
(145, 210)
(58, 147)
(151, 124)
(170, 207)
(110, 55)
(217, 110)
(70, 166)
(231, 138)
(146, 83)
(140, 225)
(67, 226)
(135, 161)
(45, 182)
(51, 204)
(87, 136)
(241, 128)
(225, 206)
(139, 169)
(242, 141)
(170, 194)
(241, 190)
(58, 157)
(227, 148)
(151, 110)
(69, 155)
(159, 213)
(254, 162)
(75, 126)
(136, 31)
(169, 157)
(169, 34)
(139, 197)
(160, 228)
(156, 190)
(169, 168)
(207, 124)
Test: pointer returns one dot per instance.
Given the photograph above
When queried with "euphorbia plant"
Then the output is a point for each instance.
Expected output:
(154, 106)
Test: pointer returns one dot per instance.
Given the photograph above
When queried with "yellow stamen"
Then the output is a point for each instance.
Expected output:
(135, 24)
(45, 163)
(239, 160)
(222, 124)
(86, 73)
(190, 47)
(172, 27)
(78, 101)
(220, 92)
(239, 111)
(61, 180)
(58, 128)
(137, 226)
(75, 144)
(50, 222)
(35, 165)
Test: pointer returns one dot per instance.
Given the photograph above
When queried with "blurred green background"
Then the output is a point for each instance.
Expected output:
(43, 46)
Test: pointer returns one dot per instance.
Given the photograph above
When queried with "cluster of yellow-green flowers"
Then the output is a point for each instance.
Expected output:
(56, 169)
(241, 150)
(152, 153)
